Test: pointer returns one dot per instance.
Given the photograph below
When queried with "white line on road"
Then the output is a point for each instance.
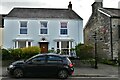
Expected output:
(95, 77)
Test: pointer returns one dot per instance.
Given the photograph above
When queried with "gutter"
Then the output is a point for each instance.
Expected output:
(111, 40)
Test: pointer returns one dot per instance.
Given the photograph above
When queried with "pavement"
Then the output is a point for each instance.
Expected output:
(83, 71)
(102, 71)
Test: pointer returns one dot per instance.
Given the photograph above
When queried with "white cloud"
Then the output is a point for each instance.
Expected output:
(110, 3)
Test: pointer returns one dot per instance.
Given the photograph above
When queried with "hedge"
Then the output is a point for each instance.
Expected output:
(20, 53)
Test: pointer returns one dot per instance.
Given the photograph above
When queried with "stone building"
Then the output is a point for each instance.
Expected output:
(105, 23)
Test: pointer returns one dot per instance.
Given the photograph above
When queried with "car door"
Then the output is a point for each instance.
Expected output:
(54, 63)
(36, 66)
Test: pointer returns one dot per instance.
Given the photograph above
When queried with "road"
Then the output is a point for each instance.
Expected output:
(71, 78)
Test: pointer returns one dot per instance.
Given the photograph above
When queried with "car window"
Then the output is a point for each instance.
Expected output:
(39, 60)
(54, 59)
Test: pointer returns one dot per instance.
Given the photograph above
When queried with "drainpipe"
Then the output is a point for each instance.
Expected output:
(111, 40)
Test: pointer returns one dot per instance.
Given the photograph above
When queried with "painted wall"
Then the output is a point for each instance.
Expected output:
(1, 37)
(12, 27)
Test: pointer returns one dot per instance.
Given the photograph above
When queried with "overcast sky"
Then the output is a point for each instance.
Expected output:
(81, 7)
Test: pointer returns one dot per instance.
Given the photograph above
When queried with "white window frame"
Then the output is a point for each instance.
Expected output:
(26, 27)
(60, 46)
(43, 27)
(63, 28)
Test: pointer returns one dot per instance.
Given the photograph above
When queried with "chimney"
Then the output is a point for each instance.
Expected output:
(98, 0)
(70, 6)
(96, 5)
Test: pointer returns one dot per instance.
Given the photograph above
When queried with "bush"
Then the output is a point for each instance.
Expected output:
(84, 51)
(30, 51)
(5, 54)
(16, 54)
(51, 51)
(20, 53)
(109, 62)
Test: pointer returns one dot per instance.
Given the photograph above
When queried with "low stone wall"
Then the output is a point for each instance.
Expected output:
(81, 63)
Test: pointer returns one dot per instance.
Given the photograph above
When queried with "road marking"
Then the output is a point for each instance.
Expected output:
(94, 77)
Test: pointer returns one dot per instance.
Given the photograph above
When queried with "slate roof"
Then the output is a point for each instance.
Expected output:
(43, 13)
(114, 12)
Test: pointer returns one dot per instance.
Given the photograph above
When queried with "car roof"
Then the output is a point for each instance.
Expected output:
(54, 54)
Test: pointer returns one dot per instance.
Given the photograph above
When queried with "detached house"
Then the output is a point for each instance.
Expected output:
(49, 28)
(105, 22)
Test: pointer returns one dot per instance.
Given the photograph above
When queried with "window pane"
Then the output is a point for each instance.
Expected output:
(57, 44)
(39, 60)
(44, 24)
(23, 31)
(63, 25)
(43, 31)
(21, 44)
(23, 24)
(54, 59)
(63, 31)
(65, 44)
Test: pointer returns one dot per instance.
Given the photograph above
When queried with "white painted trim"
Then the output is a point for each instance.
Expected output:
(60, 46)
(16, 44)
(69, 46)
(104, 13)
(26, 43)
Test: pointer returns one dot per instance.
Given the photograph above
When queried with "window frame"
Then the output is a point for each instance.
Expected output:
(23, 28)
(54, 61)
(43, 28)
(63, 28)
(38, 62)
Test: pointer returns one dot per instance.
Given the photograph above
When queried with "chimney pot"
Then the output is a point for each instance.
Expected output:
(70, 6)
(98, 0)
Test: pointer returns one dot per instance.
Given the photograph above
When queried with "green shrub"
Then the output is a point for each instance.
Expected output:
(109, 62)
(51, 51)
(5, 54)
(84, 51)
(16, 53)
(20, 53)
(30, 51)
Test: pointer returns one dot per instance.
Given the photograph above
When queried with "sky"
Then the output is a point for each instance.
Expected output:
(82, 7)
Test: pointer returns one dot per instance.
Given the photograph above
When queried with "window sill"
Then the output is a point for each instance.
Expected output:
(64, 35)
(22, 34)
(43, 34)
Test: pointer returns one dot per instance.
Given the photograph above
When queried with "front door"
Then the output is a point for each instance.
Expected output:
(44, 47)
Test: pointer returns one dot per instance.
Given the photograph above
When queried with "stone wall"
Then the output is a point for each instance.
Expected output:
(102, 25)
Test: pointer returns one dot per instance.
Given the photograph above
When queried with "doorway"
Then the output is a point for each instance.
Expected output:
(44, 47)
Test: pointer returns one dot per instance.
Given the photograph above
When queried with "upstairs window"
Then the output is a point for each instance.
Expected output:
(63, 29)
(43, 28)
(23, 27)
